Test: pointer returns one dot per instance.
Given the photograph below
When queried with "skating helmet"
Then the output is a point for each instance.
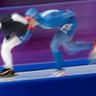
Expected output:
(31, 12)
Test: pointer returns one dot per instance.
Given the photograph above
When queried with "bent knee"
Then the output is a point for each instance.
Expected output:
(5, 48)
(54, 46)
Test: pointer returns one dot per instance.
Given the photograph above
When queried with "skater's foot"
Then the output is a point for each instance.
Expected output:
(93, 52)
(59, 73)
(7, 72)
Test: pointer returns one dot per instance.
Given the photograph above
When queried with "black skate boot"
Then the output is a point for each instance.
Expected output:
(7, 72)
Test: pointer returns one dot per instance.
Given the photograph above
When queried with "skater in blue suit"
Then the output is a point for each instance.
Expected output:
(67, 24)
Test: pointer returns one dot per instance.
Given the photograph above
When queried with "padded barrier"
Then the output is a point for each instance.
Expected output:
(50, 65)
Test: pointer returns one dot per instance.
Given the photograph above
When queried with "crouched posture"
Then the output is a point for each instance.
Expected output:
(17, 32)
(67, 25)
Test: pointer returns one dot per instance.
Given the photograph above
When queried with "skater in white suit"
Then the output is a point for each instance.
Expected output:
(17, 32)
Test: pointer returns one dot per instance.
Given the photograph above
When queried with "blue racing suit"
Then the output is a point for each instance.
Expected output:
(67, 25)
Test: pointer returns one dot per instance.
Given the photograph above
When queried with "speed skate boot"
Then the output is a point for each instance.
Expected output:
(93, 52)
(7, 72)
(59, 73)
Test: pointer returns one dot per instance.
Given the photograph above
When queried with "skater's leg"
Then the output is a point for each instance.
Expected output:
(6, 54)
(6, 48)
(78, 46)
(57, 41)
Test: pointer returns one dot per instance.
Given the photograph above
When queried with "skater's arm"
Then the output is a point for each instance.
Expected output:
(28, 34)
(18, 18)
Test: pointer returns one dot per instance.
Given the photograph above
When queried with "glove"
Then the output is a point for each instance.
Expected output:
(31, 28)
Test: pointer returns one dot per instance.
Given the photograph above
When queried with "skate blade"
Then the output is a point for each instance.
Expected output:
(9, 76)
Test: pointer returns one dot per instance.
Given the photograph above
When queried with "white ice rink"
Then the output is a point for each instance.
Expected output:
(41, 74)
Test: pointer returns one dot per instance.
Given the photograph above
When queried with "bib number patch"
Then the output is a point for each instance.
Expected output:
(66, 27)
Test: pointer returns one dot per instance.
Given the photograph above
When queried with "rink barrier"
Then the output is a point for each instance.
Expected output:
(51, 65)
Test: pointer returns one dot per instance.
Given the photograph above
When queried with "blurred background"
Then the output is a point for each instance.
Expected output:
(38, 48)
(4, 3)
